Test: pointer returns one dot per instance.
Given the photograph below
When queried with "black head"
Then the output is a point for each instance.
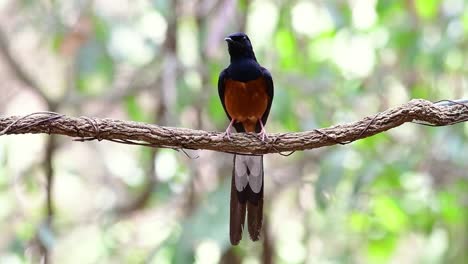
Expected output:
(239, 46)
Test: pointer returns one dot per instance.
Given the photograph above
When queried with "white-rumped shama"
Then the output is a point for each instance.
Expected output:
(246, 92)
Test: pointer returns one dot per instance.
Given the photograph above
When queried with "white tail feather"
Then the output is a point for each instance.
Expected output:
(248, 169)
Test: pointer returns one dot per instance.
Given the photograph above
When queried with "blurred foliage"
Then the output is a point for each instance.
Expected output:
(397, 197)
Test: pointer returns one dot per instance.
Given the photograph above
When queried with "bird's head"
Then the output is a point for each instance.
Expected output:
(239, 46)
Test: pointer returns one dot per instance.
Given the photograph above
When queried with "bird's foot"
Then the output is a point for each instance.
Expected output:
(227, 134)
(263, 135)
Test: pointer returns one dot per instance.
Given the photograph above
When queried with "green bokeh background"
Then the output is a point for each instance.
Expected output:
(397, 197)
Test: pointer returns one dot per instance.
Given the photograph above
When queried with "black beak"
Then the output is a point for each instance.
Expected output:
(229, 40)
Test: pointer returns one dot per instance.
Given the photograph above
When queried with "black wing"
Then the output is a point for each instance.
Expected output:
(270, 92)
(222, 77)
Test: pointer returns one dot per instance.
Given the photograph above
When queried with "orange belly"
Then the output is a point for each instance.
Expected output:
(246, 102)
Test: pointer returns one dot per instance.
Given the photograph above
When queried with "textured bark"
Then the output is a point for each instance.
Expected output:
(128, 132)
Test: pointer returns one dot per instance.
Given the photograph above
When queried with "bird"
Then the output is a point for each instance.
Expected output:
(246, 92)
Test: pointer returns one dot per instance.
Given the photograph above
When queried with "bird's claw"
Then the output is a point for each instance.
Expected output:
(263, 135)
(227, 134)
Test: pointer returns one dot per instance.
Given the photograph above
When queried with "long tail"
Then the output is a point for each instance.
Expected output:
(246, 195)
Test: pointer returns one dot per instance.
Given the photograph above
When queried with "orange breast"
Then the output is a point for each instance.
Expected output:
(246, 102)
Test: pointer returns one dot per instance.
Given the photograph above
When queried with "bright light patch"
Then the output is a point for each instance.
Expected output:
(364, 15)
(352, 161)
(179, 183)
(87, 243)
(464, 85)
(261, 22)
(129, 45)
(10, 258)
(193, 80)
(187, 44)
(397, 93)
(319, 49)
(418, 188)
(2, 155)
(104, 199)
(431, 38)
(380, 37)
(18, 159)
(3, 3)
(5, 207)
(293, 252)
(153, 26)
(452, 7)
(436, 246)
(163, 256)
(309, 19)
(95, 82)
(166, 165)
(250, 260)
(355, 55)
(155, 230)
(290, 246)
(415, 181)
(123, 165)
(454, 60)
(207, 252)
(455, 29)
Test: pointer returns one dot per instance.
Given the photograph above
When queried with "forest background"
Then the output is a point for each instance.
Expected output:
(397, 197)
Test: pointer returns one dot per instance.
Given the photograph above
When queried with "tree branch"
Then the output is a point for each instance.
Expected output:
(128, 132)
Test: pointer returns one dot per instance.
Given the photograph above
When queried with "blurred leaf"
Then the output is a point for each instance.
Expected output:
(101, 29)
(389, 214)
(372, 144)
(25, 231)
(134, 110)
(359, 222)
(379, 250)
(135, 255)
(465, 19)
(450, 208)
(424, 220)
(283, 111)
(209, 221)
(329, 178)
(164, 255)
(95, 69)
(217, 114)
(389, 7)
(57, 40)
(286, 45)
(427, 9)
(407, 41)
(420, 91)
(388, 179)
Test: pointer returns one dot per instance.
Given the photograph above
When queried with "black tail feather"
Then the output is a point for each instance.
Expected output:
(255, 213)
(237, 213)
(242, 202)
